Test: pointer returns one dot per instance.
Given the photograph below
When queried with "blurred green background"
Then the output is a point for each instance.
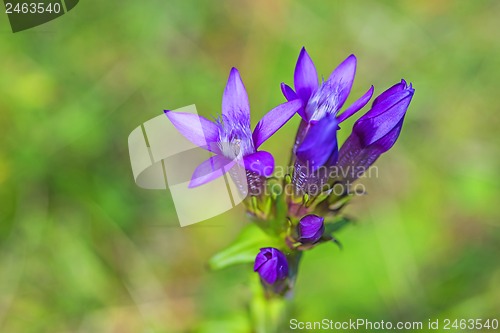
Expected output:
(83, 249)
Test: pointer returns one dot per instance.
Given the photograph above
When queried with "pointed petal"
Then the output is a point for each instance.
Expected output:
(288, 92)
(356, 106)
(387, 99)
(305, 77)
(210, 169)
(394, 89)
(235, 99)
(320, 143)
(343, 77)
(383, 117)
(197, 129)
(290, 95)
(261, 162)
(274, 120)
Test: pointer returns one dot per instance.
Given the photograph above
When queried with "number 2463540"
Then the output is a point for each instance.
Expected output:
(32, 8)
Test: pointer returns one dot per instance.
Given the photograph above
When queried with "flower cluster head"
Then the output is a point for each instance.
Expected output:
(308, 215)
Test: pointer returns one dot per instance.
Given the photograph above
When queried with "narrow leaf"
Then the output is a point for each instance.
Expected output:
(244, 249)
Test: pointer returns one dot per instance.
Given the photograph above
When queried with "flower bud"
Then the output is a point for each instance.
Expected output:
(381, 125)
(310, 229)
(376, 131)
(271, 264)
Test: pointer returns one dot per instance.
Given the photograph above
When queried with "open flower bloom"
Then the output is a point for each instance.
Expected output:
(271, 264)
(376, 131)
(310, 229)
(316, 141)
(230, 137)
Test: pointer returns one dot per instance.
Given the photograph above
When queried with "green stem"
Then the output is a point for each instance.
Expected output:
(267, 313)
(268, 307)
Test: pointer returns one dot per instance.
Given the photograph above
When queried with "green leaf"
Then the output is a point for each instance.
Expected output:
(330, 228)
(244, 249)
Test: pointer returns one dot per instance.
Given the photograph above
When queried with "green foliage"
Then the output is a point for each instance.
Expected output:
(83, 249)
(244, 249)
(337, 225)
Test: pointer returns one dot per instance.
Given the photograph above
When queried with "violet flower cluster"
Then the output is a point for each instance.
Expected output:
(308, 209)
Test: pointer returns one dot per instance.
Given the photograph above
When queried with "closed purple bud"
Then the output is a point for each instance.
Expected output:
(271, 264)
(381, 125)
(310, 229)
(376, 131)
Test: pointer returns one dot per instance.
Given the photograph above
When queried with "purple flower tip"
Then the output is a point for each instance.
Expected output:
(381, 125)
(271, 264)
(310, 229)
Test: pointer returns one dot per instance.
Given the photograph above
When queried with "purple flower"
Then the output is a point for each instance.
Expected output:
(230, 137)
(271, 264)
(320, 144)
(377, 130)
(316, 141)
(310, 229)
